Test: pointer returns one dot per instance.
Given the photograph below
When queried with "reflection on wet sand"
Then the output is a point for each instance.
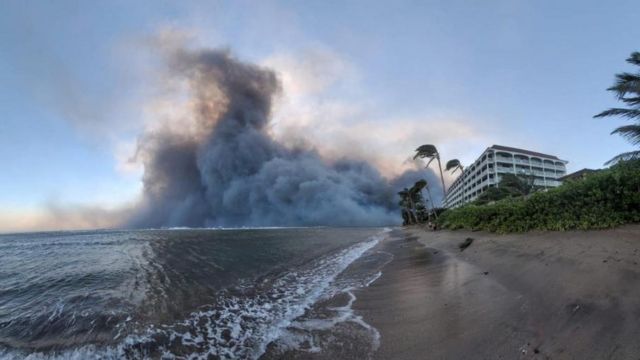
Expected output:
(438, 307)
(547, 295)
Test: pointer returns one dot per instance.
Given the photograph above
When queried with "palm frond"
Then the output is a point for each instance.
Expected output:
(453, 164)
(624, 157)
(626, 83)
(630, 132)
(633, 101)
(628, 113)
(634, 58)
(420, 184)
(424, 151)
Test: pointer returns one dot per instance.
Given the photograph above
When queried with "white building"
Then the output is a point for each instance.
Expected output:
(496, 160)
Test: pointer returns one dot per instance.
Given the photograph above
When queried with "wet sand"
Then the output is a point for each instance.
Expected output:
(551, 295)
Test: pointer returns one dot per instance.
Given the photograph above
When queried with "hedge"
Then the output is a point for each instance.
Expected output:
(605, 199)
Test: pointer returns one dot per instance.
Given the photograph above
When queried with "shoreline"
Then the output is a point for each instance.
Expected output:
(547, 295)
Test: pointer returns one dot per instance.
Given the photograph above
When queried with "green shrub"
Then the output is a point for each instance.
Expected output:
(601, 200)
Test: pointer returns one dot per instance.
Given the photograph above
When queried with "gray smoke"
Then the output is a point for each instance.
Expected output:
(230, 172)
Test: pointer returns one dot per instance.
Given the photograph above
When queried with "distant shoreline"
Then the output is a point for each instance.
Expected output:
(184, 228)
(535, 295)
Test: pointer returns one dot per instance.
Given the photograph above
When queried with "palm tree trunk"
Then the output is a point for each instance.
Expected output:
(414, 218)
(444, 193)
(432, 205)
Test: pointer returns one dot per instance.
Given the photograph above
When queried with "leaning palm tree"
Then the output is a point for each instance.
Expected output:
(429, 151)
(453, 165)
(627, 90)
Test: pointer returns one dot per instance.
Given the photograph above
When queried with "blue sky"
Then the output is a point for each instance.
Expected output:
(74, 80)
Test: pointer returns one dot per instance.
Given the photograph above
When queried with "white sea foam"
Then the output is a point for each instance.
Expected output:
(341, 314)
(302, 334)
(239, 326)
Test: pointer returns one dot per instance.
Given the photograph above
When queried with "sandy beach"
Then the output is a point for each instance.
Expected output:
(547, 295)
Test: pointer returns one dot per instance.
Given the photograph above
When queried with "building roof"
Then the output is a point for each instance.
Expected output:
(578, 174)
(528, 152)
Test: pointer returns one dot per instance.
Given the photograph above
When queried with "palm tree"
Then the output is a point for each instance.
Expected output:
(453, 165)
(406, 204)
(429, 151)
(627, 90)
(417, 199)
(422, 184)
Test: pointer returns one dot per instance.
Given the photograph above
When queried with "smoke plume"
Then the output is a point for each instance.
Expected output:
(220, 166)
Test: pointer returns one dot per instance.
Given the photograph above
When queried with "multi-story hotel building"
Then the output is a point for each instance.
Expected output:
(496, 160)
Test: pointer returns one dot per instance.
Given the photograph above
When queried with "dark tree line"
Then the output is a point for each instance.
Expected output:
(415, 209)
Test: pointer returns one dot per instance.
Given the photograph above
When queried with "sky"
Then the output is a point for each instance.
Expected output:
(375, 79)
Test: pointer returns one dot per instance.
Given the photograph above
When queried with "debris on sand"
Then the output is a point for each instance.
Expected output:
(465, 244)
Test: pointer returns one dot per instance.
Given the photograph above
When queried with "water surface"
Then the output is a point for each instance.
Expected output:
(180, 293)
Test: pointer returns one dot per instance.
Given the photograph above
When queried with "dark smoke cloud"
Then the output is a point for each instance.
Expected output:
(230, 172)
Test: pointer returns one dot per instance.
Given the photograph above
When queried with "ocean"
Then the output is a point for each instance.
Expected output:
(187, 293)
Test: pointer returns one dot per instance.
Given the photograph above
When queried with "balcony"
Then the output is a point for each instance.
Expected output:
(547, 183)
(553, 167)
(504, 159)
(505, 169)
